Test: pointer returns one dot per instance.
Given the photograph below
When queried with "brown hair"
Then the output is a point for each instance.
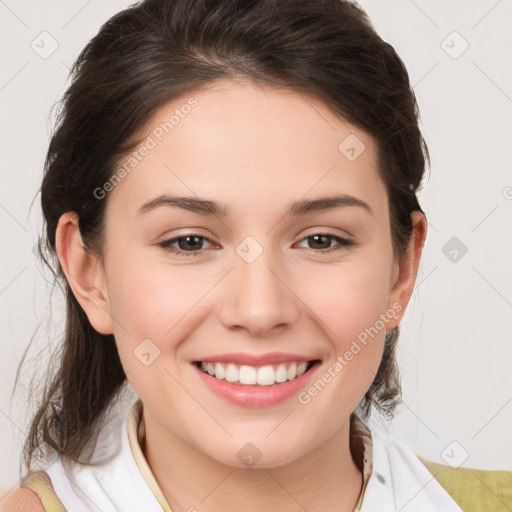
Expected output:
(158, 50)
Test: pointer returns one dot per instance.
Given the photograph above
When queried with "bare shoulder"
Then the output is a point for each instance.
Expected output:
(21, 500)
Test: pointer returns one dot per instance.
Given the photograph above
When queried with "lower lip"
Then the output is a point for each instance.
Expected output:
(256, 396)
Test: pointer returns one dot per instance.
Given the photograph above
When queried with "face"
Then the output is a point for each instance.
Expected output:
(258, 288)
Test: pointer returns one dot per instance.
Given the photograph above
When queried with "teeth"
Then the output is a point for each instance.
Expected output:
(250, 375)
(247, 375)
(220, 371)
(281, 374)
(301, 369)
(292, 371)
(266, 376)
(232, 373)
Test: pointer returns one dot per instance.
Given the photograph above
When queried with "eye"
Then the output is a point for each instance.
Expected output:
(324, 241)
(190, 241)
(190, 245)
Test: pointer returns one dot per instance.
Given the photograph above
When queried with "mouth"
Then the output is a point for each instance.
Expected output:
(256, 380)
(264, 375)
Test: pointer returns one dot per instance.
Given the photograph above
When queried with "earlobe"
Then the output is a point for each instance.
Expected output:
(84, 273)
(404, 277)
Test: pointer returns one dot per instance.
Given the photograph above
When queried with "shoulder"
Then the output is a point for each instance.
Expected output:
(474, 489)
(21, 500)
(34, 494)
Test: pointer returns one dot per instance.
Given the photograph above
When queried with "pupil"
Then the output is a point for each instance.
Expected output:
(187, 238)
(316, 237)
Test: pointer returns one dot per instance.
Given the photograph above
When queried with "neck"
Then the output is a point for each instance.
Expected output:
(326, 479)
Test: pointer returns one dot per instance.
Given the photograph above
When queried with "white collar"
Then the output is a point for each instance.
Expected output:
(400, 482)
(119, 480)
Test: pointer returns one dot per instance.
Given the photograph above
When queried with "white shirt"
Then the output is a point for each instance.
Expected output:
(118, 478)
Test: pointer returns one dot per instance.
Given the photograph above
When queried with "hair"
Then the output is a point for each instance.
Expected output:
(159, 50)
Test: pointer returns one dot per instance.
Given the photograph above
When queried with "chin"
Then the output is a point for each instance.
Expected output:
(254, 455)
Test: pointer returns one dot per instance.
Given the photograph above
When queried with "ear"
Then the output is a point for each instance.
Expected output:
(84, 273)
(405, 273)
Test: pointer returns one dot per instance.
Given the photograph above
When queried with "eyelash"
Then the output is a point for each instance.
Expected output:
(166, 244)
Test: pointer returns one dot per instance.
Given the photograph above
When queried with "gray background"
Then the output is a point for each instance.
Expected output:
(455, 351)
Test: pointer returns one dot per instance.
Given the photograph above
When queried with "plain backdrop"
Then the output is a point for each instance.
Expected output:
(455, 351)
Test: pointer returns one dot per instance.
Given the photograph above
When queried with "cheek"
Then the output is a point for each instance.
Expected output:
(351, 312)
(150, 306)
(151, 301)
(146, 302)
(350, 299)
(351, 302)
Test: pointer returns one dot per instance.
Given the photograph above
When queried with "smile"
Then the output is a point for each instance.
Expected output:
(262, 380)
(267, 375)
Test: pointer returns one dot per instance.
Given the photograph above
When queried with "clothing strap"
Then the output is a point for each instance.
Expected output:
(40, 483)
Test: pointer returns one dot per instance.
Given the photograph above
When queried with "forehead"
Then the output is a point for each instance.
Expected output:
(246, 144)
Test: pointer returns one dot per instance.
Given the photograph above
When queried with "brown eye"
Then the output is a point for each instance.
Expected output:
(188, 245)
(321, 242)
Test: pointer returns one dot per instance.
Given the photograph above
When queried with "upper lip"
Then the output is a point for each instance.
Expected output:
(255, 359)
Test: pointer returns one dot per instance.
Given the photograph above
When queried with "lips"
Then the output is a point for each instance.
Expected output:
(249, 380)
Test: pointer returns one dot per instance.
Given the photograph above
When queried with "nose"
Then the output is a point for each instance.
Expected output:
(258, 294)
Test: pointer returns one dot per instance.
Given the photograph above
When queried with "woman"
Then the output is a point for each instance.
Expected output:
(230, 197)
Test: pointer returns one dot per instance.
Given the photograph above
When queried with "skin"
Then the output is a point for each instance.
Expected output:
(21, 500)
(256, 149)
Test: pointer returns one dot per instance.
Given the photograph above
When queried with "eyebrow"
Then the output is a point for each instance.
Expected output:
(208, 207)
